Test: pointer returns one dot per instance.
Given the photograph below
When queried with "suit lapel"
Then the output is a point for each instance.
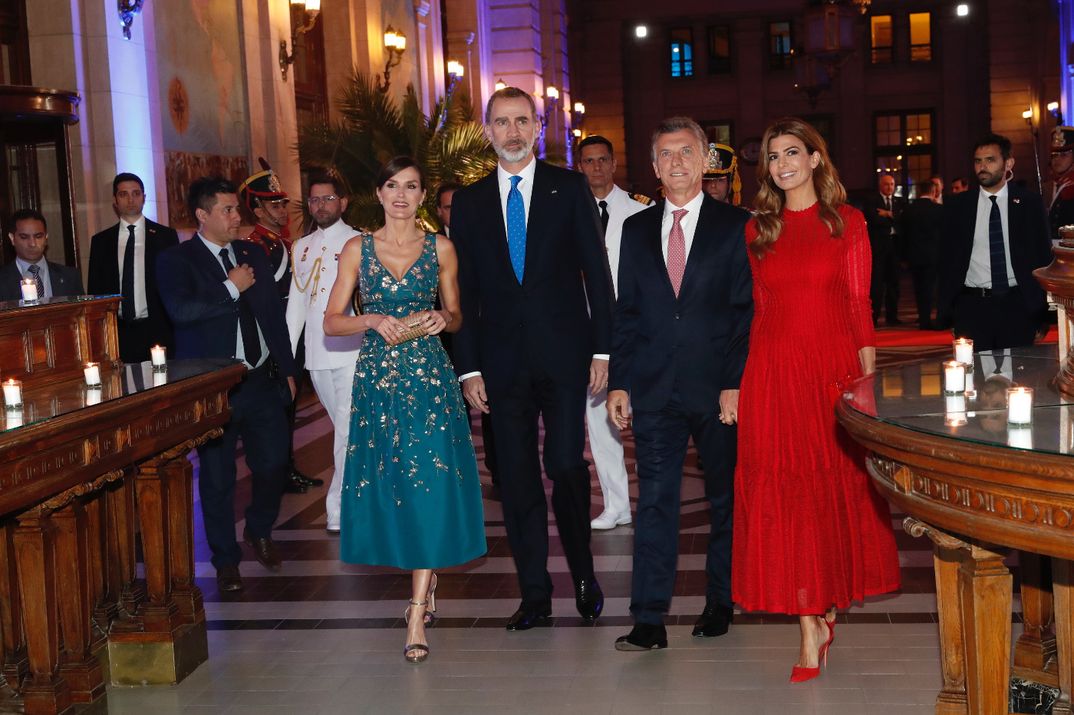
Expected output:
(208, 261)
(1015, 222)
(542, 200)
(656, 248)
(699, 244)
(498, 234)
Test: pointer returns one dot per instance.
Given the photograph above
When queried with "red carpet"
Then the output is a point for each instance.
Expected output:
(903, 337)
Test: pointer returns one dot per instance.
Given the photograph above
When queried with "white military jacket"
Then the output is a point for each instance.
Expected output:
(621, 206)
(314, 261)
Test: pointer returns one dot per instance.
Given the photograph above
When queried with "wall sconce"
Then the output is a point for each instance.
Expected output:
(127, 10)
(579, 108)
(1028, 116)
(303, 17)
(551, 92)
(1053, 109)
(500, 84)
(395, 44)
(456, 71)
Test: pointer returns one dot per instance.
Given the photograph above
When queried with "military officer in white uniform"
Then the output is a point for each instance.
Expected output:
(614, 205)
(330, 359)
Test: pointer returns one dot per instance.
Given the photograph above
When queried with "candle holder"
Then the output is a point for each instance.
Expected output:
(12, 394)
(954, 377)
(92, 372)
(28, 286)
(13, 419)
(159, 357)
(160, 376)
(1019, 405)
(963, 350)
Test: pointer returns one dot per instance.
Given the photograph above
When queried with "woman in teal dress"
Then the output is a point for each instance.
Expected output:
(411, 497)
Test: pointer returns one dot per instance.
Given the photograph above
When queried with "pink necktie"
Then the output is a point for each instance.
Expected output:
(676, 251)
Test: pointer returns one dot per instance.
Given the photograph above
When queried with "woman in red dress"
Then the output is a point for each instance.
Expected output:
(810, 533)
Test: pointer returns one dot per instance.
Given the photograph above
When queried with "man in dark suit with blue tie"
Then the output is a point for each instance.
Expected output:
(530, 254)
(29, 238)
(682, 320)
(123, 260)
(222, 299)
(994, 237)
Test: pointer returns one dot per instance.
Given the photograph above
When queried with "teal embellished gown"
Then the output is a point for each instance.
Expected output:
(411, 496)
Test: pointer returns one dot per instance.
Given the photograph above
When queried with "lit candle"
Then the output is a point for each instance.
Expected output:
(29, 290)
(93, 374)
(158, 356)
(954, 377)
(964, 350)
(1021, 437)
(13, 419)
(160, 377)
(94, 395)
(1019, 405)
(12, 393)
(955, 410)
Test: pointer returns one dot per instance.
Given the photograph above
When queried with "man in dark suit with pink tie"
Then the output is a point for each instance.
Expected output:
(681, 333)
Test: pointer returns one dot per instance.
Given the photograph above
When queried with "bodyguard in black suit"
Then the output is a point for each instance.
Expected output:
(923, 226)
(529, 254)
(883, 214)
(222, 299)
(994, 237)
(29, 238)
(143, 322)
(679, 346)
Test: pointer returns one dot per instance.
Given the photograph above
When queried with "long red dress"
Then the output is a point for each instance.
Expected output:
(809, 530)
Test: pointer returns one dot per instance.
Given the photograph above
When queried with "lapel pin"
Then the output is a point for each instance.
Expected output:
(1017, 201)
(555, 191)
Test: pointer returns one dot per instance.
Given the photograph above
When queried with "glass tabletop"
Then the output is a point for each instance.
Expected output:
(914, 397)
(62, 397)
(7, 305)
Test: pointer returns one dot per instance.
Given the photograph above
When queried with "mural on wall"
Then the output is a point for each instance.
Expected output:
(206, 118)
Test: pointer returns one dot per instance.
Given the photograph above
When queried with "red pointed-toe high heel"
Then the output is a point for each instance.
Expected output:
(800, 674)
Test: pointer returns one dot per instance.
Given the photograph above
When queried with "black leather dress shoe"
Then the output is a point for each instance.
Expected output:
(300, 478)
(290, 486)
(588, 598)
(228, 579)
(713, 621)
(526, 617)
(644, 636)
(264, 551)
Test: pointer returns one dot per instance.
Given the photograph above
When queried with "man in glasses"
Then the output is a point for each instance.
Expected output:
(263, 196)
(330, 359)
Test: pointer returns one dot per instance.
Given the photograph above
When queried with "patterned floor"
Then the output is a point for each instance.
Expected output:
(321, 637)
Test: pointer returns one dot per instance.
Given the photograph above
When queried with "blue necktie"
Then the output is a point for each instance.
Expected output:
(996, 254)
(516, 228)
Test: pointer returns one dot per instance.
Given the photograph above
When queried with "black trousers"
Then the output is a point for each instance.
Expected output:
(925, 283)
(660, 440)
(259, 416)
(515, 412)
(136, 337)
(884, 290)
(996, 321)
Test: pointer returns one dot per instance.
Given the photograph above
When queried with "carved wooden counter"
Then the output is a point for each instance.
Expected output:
(974, 485)
(86, 475)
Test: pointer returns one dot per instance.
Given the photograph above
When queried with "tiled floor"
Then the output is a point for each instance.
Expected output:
(322, 637)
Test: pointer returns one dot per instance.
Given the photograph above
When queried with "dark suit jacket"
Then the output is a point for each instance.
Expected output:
(65, 281)
(694, 344)
(103, 276)
(546, 320)
(1027, 233)
(922, 223)
(880, 226)
(206, 319)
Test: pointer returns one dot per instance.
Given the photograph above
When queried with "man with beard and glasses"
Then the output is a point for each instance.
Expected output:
(995, 236)
(530, 253)
(330, 359)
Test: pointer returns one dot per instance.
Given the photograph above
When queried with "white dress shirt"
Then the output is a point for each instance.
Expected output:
(234, 291)
(979, 274)
(316, 264)
(141, 306)
(621, 206)
(687, 222)
(24, 269)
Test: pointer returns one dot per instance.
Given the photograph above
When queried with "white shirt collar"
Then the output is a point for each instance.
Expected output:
(504, 176)
(693, 205)
(42, 263)
(339, 227)
(611, 197)
(215, 249)
(1000, 195)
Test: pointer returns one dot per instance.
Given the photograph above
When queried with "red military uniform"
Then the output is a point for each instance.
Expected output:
(1061, 211)
(278, 248)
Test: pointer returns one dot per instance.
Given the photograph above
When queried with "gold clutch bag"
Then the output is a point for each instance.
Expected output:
(416, 329)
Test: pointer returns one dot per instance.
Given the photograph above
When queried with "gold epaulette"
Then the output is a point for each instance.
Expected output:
(641, 199)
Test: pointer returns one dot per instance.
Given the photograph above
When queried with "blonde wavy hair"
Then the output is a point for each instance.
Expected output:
(769, 202)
